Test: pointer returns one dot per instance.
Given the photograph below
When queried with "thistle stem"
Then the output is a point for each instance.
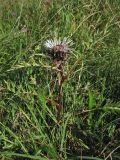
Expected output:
(61, 79)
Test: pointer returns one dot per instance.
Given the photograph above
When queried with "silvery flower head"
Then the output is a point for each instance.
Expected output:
(58, 49)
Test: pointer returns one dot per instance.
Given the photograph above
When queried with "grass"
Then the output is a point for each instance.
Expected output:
(89, 123)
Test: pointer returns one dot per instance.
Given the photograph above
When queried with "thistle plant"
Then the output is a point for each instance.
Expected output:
(58, 51)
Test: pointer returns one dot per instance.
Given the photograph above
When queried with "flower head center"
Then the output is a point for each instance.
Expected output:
(59, 47)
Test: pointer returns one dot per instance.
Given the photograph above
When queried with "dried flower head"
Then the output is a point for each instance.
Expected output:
(58, 49)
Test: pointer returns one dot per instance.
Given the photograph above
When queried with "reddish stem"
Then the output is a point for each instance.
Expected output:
(61, 80)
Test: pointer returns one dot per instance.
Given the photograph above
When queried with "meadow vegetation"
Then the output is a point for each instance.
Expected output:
(89, 126)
